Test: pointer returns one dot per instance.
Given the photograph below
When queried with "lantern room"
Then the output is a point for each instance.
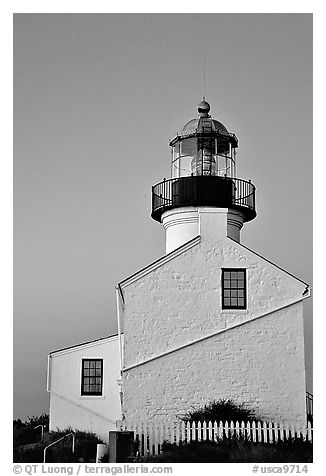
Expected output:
(203, 147)
(203, 170)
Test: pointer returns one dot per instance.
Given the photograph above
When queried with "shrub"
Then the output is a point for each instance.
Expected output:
(25, 433)
(85, 448)
(220, 410)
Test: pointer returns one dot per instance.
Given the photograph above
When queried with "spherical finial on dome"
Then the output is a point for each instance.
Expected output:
(204, 108)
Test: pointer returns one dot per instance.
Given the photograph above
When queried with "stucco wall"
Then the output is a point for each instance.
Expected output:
(67, 406)
(260, 363)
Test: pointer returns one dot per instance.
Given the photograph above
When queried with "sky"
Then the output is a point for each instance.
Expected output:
(96, 99)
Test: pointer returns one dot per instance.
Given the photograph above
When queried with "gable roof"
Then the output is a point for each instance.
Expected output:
(159, 262)
(270, 262)
(83, 343)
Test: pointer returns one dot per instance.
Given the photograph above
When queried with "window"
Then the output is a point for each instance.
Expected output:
(234, 288)
(92, 376)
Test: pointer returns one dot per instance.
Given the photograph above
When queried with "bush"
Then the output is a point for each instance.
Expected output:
(220, 410)
(234, 450)
(25, 433)
(85, 448)
(28, 454)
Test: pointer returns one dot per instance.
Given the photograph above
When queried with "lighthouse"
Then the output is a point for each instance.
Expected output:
(210, 319)
(203, 175)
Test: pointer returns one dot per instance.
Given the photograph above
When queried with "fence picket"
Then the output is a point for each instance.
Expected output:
(287, 431)
(275, 432)
(172, 434)
(215, 431)
(199, 431)
(210, 431)
(292, 430)
(243, 431)
(265, 431)
(140, 435)
(270, 432)
(188, 432)
(204, 431)
(226, 430)
(259, 431)
(237, 429)
(299, 432)
(161, 436)
(281, 431)
(150, 439)
(309, 431)
(145, 429)
(254, 435)
(232, 429)
(193, 431)
(248, 431)
(156, 437)
(162, 433)
(220, 430)
(183, 431)
(177, 433)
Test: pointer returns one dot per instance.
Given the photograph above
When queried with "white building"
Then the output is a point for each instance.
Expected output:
(210, 320)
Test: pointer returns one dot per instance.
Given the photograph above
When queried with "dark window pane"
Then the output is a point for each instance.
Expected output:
(227, 293)
(92, 372)
(98, 364)
(227, 284)
(86, 371)
(86, 364)
(241, 301)
(234, 301)
(234, 284)
(234, 293)
(92, 364)
(227, 274)
(241, 293)
(234, 274)
(227, 301)
(241, 284)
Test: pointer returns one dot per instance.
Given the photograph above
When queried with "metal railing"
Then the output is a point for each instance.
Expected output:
(42, 429)
(57, 441)
(204, 191)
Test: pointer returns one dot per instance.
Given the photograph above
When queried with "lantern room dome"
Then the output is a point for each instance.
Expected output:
(197, 124)
(204, 117)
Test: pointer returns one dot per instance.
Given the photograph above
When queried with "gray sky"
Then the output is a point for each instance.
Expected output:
(96, 99)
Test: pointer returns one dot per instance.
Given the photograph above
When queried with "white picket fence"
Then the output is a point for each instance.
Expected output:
(150, 437)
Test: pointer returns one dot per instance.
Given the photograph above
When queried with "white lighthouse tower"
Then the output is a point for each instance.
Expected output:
(203, 180)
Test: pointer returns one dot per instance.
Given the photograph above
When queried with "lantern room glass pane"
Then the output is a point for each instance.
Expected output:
(203, 155)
